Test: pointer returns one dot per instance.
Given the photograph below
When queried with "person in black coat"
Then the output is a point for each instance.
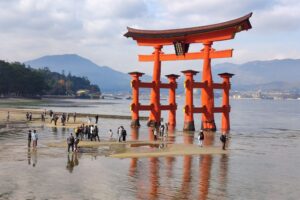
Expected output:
(29, 138)
(124, 134)
(223, 140)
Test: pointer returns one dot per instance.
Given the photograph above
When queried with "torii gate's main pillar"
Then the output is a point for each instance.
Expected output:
(207, 97)
(155, 113)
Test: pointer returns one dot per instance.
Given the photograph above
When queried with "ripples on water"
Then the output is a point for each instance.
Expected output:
(263, 163)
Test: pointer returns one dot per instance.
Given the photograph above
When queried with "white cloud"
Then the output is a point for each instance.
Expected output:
(95, 28)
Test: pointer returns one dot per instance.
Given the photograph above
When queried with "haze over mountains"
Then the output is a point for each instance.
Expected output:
(264, 75)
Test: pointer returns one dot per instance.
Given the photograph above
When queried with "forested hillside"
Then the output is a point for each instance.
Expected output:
(18, 80)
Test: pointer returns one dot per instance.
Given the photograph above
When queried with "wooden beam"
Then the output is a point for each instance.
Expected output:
(168, 107)
(145, 85)
(145, 107)
(199, 84)
(188, 56)
(219, 109)
(165, 85)
(199, 109)
(221, 54)
(218, 85)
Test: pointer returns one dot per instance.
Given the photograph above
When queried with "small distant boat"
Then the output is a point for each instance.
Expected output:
(128, 98)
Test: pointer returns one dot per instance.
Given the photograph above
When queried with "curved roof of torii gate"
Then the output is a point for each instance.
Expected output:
(236, 25)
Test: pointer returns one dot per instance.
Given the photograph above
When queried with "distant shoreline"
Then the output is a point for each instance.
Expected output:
(18, 114)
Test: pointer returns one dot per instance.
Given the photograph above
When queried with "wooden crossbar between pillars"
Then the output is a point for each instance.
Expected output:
(187, 56)
(136, 106)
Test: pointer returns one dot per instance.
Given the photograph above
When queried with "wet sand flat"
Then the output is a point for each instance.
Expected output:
(130, 148)
(171, 150)
(141, 149)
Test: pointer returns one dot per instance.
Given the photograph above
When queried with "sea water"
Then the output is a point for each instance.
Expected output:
(263, 162)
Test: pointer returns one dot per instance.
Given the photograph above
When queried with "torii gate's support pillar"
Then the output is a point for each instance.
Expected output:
(172, 99)
(135, 121)
(189, 101)
(207, 94)
(154, 118)
(225, 102)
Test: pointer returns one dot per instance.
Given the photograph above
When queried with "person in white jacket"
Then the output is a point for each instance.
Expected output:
(34, 137)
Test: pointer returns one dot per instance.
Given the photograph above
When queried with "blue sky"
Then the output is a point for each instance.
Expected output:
(94, 29)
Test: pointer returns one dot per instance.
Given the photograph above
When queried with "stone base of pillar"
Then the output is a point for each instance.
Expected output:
(152, 123)
(189, 126)
(208, 126)
(135, 123)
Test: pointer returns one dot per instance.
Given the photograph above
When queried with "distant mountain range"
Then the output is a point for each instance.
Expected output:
(265, 75)
(255, 75)
(107, 78)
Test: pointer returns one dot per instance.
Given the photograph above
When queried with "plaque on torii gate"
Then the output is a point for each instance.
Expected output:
(182, 39)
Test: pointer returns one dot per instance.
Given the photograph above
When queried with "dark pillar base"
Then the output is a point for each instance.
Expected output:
(135, 123)
(189, 126)
(152, 123)
(209, 126)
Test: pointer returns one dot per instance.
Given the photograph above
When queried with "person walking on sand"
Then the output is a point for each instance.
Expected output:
(92, 133)
(74, 117)
(120, 133)
(200, 138)
(161, 130)
(43, 117)
(223, 140)
(30, 116)
(70, 141)
(34, 137)
(29, 138)
(27, 116)
(124, 134)
(7, 117)
(155, 133)
(96, 133)
(110, 134)
(76, 142)
(96, 118)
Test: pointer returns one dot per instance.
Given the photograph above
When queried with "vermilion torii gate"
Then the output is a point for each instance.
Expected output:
(181, 39)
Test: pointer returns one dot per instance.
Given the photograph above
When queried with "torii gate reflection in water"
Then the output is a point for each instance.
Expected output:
(181, 39)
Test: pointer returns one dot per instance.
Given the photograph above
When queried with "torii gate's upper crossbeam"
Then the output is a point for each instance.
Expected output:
(187, 56)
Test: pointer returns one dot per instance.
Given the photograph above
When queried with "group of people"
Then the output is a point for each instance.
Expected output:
(64, 117)
(32, 137)
(72, 143)
(160, 131)
(122, 134)
(90, 132)
(28, 116)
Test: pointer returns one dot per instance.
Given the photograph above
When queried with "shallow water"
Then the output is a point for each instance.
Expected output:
(263, 162)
